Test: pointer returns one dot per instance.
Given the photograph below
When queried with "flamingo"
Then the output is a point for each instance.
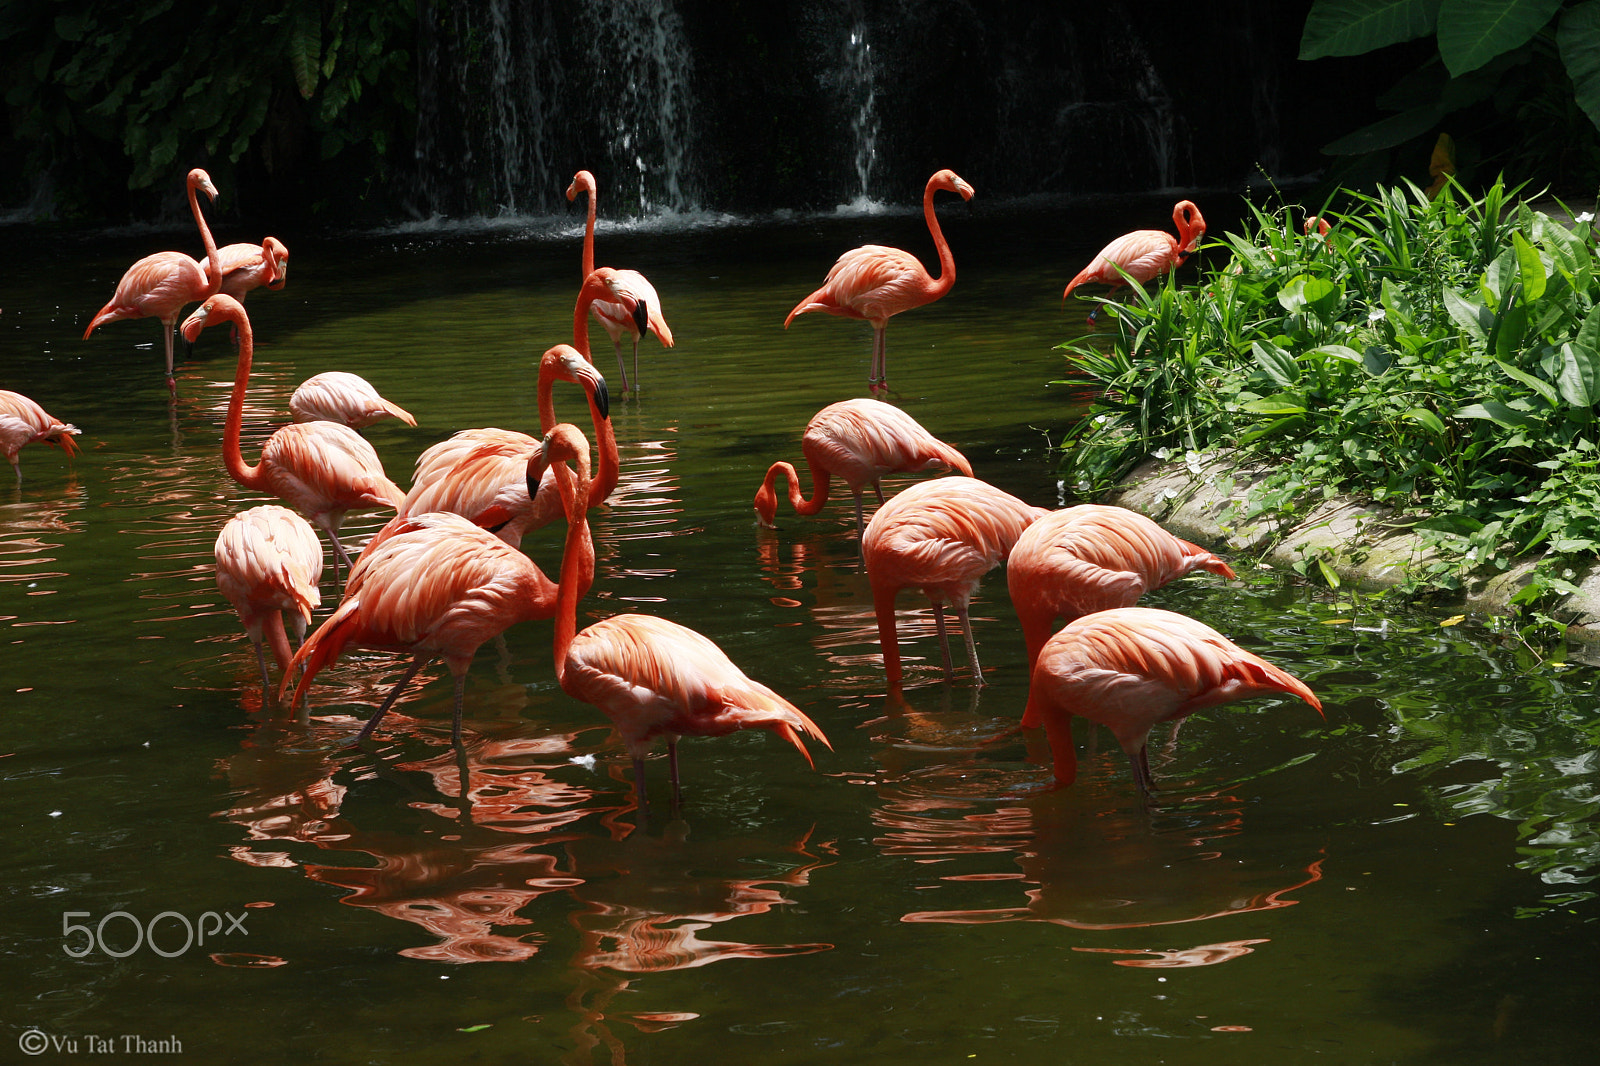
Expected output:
(1088, 558)
(875, 283)
(22, 422)
(617, 319)
(1133, 667)
(323, 469)
(1143, 254)
(941, 536)
(482, 473)
(162, 285)
(653, 678)
(438, 588)
(249, 266)
(270, 561)
(859, 441)
(337, 396)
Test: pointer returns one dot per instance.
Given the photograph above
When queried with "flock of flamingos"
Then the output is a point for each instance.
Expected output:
(446, 574)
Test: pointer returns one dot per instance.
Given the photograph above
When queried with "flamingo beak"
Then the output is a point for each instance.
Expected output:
(537, 463)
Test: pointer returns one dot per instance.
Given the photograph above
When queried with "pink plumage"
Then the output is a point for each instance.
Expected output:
(349, 399)
(858, 441)
(875, 282)
(249, 266)
(160, 286)
(941, 537)
(1133, 667)
(23, 422)
(1143, 254)
(270, 561)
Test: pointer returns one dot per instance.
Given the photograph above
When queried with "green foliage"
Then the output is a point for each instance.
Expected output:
(1528, 68)
(1441, 356)
(162, 86)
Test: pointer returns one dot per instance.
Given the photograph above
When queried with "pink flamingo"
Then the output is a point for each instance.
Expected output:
(323, 469)
(939, 536)
(858, 441)
(482, 473)
(875, 283)
(617, 319)
(337, 396)
(1089, 558)
(1143, 254)
(653, 678)
(270, 561)
(22, 422)
(250, 266)
(162, 285)
(1133, 667)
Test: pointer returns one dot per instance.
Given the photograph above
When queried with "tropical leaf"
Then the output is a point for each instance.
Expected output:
(1472, 32)
(1426, 419)
(1543, 388)
(1578, 39)
(1530, 268)
(305, 49)
(1351, 27)
(1579, 380)
(1495, 411)
(1279, 364)
(1468, 314)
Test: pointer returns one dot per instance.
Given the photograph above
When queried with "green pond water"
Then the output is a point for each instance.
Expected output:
(1403, 881)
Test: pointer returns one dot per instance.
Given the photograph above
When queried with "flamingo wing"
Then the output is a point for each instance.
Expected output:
(326, 466)
(337, 396)
(269, 558)
(157, 286)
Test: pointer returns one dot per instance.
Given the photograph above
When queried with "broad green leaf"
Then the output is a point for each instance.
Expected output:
(1337, 351)
(1499, 278)
(1578, 39)
(1271, 428)
(1387, 132)
(1472, 32)
(1538, 385)
(1426, 419)
(305, 49)
(1328, 573)
(1395, 300)
(1377, 360)
(1579, 380)
(1470, 315)
(1279, 364)
(1286, 404)
(1511, 328)
(1589, 333)
(1351, 27)
(1495, 411)
(1530, 268)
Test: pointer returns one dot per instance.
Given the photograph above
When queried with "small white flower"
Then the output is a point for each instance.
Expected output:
(1586, 216)
(1377, 314)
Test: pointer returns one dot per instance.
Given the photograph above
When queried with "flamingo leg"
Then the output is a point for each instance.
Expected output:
(878, 376)
(455, 720)
(166, 334)
(637, 381)
(388, 701)
(944, 643)
(261, 661)
(1139, 760)
(972, 647)
(622, 367)
(638, 786)
(672, 764)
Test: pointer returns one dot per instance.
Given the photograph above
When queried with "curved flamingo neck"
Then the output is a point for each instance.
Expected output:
(819, 486)
(248, 476)
(577, 566)
(1189, 224)
(580, 319)
(607, 473)
(947, 261)
(215, 282)
(588, 229)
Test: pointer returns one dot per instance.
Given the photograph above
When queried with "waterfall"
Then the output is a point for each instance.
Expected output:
(859, 84)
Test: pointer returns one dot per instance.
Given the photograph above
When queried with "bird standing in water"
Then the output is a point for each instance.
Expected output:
(1143, 254)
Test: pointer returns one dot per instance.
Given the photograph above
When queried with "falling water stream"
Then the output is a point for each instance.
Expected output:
(1403, 881)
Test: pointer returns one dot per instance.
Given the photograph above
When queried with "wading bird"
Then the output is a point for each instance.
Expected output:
(161, 285)
(1133, 667)
(939, 536)
(349, 399)
(875, 283)
(322, 469)
(22, 422)
(250, 266)
(270, 561)
(1088, 558)
(653, 678)
(1143, 254)
(857, 441)
(616, 318)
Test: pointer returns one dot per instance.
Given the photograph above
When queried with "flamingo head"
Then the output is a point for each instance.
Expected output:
(276, 253)
(199, 179)
(582, 181)
(950, 182)
(565, 442)
(766, 505)
(566, 364)
(218, 308)
(1191, 226)
(607, 285)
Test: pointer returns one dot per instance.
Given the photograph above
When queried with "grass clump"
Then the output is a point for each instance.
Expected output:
(1441, 356)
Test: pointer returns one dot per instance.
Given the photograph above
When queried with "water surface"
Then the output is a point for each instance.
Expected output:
(1403, 881)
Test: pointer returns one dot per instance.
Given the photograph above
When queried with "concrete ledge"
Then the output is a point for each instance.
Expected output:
(1363, 543)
